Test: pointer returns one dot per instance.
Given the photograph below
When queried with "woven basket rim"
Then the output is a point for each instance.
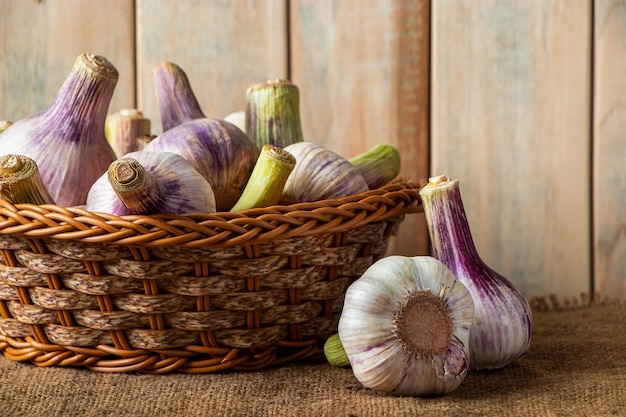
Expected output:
(221, 229)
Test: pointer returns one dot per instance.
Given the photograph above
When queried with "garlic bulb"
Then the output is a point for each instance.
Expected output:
(405, 327)
(67, 140)
(266, 183)
(176, 99)
(219, 150)
(123, 130)
(320, 174)
(151, 183)
(20, 181)
(273, 113)
(502, 329)
(238, 118)
(379, 165)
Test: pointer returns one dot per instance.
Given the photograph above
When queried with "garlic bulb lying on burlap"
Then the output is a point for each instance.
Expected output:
(405, 327)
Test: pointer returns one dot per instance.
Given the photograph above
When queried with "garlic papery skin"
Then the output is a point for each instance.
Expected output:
(67, 140)
(273, 113)
(320, 174)
(219, 150)
(123, 130)
(20, 181)
(175, 97)
(502, 330)
(238, 118)
(151, 183)
(4, 124)
(405, 326)
(379, 165)
(268, 178)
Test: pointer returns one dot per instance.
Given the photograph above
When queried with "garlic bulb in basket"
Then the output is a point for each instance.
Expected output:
(405, 327)
(67, 140)
(320, 174)
(219, 150)
(151, 183)
(176, 99)
(20, 181)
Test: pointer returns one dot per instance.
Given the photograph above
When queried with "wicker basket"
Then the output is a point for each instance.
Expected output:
(196, 294)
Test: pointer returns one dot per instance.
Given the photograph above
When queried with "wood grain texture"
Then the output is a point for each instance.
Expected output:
(223, 47)
(511, 120)
(363, 70)
(609, 184)
(40, 40)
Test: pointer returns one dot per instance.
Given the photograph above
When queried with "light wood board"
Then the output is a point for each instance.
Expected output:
(609, 128)
(223, 47)
(511, 120)
(40, 40)
(362, 69)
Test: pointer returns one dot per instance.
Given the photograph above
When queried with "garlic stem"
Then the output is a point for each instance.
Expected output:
(379, 165)
(176, 99)
(502, 328)
(134, 186)
(123, 130)
(335, 353)
(273, 113)
(20, 181)
(268, 178)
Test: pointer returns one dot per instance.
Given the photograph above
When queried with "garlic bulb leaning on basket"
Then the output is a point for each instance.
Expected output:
(151, 183)
(320, 174)
(405, 327)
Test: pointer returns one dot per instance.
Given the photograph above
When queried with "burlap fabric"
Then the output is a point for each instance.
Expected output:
(576, 367)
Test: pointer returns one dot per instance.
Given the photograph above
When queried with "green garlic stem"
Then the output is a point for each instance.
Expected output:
(379, 165)
(335, 353)
(20, 181)
(265, 185)
(273, 113)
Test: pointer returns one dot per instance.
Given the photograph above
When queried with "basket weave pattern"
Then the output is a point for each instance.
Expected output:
(199, 293)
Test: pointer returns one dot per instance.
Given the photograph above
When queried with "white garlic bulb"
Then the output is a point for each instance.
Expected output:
(405, 327)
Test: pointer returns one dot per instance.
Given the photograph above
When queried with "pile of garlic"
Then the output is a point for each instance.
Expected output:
(415, 325)
(80, 151)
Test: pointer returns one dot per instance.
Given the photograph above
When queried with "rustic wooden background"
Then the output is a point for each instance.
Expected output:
(524, 102)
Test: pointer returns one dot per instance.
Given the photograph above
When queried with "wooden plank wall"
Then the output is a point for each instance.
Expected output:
(522, 101)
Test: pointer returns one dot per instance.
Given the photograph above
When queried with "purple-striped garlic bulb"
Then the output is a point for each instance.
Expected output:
(66, 140)
(219, 150)
(151, 183)
(320, 174)
(502, 329)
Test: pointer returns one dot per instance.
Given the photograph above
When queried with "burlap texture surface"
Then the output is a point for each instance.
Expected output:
(576, 367)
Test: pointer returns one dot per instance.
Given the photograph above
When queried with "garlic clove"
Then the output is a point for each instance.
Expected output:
(379, 165)
(123, 130)
(320, 174)
(151, 183)
(502, 330)
(176, 99)
(67, 140)
(20, 181)
(268, 178)
(219, 150)
(272, 113)
(405, 327)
